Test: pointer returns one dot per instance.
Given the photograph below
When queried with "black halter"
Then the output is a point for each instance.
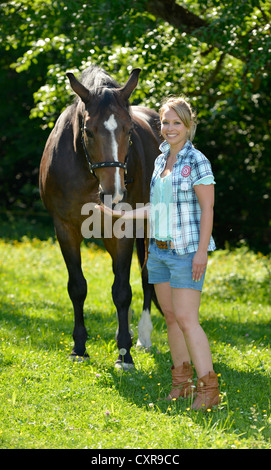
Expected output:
(93, 166)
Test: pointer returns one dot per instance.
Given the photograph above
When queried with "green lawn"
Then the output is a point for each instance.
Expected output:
(49, 402)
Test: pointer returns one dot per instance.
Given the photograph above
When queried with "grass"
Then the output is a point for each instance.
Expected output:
(47, 401)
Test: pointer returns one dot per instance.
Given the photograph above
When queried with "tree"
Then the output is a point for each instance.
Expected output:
(218, 54)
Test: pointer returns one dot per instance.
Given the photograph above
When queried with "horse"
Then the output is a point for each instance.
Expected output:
(101, 148)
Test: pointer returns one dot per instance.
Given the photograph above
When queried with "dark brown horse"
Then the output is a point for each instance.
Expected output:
(101, 148)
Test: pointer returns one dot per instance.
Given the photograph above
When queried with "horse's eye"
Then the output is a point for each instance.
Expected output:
(88, 132)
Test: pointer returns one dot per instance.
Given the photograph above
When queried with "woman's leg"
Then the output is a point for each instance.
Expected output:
(176, 340)
(185, 304)
(182, 370)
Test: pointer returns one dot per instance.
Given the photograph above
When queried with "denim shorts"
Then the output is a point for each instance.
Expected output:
(168, 266)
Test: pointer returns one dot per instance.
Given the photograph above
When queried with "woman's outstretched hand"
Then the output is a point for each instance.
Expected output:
(108, 211)
(140, 213)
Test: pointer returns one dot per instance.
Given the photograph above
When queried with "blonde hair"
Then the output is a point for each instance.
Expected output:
(183, 109)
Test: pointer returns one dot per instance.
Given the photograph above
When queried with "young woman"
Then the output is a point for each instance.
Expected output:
(181, 221)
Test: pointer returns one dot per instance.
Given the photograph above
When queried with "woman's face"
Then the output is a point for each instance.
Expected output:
(173, 129)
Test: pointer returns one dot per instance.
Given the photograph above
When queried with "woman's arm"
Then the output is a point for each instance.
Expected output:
(205, 195)
(140, 213)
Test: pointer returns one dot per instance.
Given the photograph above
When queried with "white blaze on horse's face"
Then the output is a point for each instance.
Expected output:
(111, 125)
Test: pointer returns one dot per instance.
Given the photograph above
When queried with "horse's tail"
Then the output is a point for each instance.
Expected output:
(142, 253)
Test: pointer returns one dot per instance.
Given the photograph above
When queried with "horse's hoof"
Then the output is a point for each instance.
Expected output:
(144, 345)
(124, 365)
(75, 358)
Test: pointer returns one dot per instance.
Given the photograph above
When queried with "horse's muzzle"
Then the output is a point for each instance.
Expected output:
(110, 200)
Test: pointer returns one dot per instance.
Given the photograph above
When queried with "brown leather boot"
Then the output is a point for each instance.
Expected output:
(207, 392)
(182, 381)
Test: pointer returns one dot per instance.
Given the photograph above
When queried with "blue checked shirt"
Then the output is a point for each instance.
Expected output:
(191, 167)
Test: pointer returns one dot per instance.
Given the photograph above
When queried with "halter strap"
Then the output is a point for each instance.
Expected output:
(93, 166)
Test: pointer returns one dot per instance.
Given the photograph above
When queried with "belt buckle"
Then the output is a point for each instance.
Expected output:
(162, 245)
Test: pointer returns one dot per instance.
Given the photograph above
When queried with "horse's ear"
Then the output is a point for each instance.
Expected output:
(130, 85)
(79, 89)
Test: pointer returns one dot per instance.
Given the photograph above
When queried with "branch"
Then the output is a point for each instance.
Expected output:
(182, 18)
(176, 15)
(211, 77)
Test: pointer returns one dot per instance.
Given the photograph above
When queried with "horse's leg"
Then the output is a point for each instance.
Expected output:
(145, 324)
(70, 241)
(121, 252)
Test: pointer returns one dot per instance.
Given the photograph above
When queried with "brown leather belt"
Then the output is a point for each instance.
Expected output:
(164, 245)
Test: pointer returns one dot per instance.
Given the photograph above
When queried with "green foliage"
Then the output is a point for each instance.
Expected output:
(223, 67)
(50, 402)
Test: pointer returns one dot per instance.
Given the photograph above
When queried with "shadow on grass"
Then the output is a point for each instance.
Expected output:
(42, 323)
(243, 407)
(237, 333)
(58, 316)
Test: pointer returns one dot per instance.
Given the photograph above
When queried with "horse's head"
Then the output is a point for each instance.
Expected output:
(106, 127)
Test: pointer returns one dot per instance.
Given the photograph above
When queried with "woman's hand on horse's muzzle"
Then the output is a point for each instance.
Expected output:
(108, 211)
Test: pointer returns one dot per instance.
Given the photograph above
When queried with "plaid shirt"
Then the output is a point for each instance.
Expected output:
(191, 166)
